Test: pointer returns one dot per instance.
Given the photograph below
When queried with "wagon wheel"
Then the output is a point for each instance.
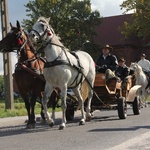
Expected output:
(70, 113)
(122, 108)
(136, 105)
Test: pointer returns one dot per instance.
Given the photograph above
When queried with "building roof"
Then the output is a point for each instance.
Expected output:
(108, 31)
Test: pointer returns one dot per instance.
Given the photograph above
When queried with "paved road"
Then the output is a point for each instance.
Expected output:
(104, 132)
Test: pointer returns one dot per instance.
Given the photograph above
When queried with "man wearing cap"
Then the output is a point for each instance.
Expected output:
(144, 63)
(122, 70)
(106, 60)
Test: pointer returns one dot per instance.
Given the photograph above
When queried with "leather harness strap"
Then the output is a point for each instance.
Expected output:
(64, 62)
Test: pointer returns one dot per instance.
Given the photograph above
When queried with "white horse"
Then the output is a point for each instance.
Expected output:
(142, 80)
(63, 70)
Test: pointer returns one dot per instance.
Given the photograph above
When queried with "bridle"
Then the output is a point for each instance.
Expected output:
(48, 30)
(21, 41)
(136, 69)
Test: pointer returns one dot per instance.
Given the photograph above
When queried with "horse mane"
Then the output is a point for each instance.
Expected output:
(43, 19)
(139, 67)
(32, 47)
(56, 39)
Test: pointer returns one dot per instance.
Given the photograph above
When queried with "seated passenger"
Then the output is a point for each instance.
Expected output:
(106, 60)
(122, 70)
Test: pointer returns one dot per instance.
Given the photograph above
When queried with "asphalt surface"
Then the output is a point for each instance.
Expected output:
(19, 120)
(105, 132)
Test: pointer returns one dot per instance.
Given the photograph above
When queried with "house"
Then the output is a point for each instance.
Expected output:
(108, 33)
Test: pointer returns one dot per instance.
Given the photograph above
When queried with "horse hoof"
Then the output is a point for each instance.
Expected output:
(81, 123)
(88, 118)
(42, 121)
(61, 128)
(51, 124)
(30, 126)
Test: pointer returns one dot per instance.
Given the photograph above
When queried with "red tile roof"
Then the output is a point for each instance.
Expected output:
(108, 31)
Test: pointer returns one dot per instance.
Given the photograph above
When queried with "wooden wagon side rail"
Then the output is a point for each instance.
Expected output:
(112, 86)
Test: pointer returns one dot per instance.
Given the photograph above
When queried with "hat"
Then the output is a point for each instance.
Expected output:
(143, 55)
(108, 46)
(121, 59)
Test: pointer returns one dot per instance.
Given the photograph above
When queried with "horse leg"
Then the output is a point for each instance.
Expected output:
(53, 102)
(144, 97)
(90, 77)
(47, 92)
(140, 94)
(81, 104)
(27, 105)
(43, 119)
(88, 108)
(63, 106)
(32, 121)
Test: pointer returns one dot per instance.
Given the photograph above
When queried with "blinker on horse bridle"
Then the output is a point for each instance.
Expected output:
(47, 30)
(56, 61)
(21, 41)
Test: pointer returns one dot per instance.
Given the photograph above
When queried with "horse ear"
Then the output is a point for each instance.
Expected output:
(48, 19)
(18, 25)
(11, 25)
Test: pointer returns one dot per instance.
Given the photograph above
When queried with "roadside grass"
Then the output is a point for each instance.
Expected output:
(19, 108)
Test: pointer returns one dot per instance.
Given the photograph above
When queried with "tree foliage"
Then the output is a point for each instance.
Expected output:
(140, 20)
(72, 20)
(1, 83)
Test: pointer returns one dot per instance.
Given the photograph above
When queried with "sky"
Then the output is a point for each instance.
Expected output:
(17, 11)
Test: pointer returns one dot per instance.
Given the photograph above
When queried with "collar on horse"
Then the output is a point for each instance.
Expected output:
(38, 75)
(58, 61)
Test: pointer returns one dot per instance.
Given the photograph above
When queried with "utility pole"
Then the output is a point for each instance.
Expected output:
(8, 89)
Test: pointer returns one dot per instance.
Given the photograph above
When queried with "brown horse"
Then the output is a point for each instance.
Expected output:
(28, 71)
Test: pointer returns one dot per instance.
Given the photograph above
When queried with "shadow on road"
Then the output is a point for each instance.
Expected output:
(21, 129)
(133, 128)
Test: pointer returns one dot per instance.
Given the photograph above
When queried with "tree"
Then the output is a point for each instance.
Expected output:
(72, 20)
(1, 84)
(140, 20)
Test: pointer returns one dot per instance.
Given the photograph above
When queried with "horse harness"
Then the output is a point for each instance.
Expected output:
(26, 65)
(57, 62)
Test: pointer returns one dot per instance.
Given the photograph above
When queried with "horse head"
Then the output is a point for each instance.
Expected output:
(136, 68)
(41, 31)
(16, 39)
(12, 39)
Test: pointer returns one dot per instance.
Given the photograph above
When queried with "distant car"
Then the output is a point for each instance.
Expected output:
(15, 94)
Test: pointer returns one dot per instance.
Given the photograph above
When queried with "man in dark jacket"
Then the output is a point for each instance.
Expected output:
(122, 70)
(106, 60)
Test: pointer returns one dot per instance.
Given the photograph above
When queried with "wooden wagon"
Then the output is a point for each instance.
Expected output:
(110, 94)
(113, 94)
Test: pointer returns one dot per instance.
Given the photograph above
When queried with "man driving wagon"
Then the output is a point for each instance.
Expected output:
(106, 60)
(107, 63)
(117, 68)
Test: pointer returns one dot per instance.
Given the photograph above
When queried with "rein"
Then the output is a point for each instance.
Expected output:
(63, 62)
(60, 62)
(29, 60)
(23, 66)
(57, 62)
